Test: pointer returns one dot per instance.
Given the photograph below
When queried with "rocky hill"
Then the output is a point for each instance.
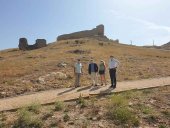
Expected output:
(166, 46)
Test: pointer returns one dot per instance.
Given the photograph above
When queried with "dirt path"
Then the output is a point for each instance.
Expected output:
(66, 94)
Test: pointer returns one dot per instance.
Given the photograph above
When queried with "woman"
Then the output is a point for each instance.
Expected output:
(102, 69)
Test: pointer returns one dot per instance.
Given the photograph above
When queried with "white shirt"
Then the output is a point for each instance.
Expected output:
(113, 63)
(78, 67)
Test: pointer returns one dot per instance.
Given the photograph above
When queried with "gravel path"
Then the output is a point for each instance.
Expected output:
(66, 94)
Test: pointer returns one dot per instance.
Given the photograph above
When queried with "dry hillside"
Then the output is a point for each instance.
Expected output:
(36, 70)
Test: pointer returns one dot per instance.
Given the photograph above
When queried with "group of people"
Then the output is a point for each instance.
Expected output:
(94, 70)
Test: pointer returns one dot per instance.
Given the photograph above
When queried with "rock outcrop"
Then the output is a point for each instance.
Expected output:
(23, 44)
(96, 32)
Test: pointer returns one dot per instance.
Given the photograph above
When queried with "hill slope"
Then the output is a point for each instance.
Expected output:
(29, 71)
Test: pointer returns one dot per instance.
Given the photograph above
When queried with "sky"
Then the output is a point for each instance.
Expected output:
(140, 21)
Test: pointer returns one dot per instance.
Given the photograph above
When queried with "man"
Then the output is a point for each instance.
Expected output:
(113, 63)
(77, 72)
(93, 70)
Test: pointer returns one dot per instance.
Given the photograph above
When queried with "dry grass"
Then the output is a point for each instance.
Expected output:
(20, 70)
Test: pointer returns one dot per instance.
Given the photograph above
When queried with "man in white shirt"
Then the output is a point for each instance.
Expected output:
(77, 72)
(113, 64)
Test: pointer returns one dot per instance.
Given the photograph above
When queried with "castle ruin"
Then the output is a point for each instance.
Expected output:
(23, 44)
(95, 32)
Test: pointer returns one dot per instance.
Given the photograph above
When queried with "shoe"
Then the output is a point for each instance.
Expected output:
(111, 86)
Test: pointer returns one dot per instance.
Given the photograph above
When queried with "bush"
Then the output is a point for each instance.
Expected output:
(26, 120)
(121, 115)
(82, 102)
(118, 100)
(119, 112)
(162, 126)
(35, 107)
(59, 105)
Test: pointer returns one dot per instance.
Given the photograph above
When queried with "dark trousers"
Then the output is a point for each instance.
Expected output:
(113, 77)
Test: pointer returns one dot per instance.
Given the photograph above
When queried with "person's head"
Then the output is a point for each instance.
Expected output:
(78, 60)
(111, 57)
(102, 62)
(91, 60)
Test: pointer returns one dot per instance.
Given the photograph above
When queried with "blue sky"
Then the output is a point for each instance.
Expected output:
(141, 21)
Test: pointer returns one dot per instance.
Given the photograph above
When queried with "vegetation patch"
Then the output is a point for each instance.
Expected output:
(26, 120)
(82, 102)
(59, 105)
(35, 107)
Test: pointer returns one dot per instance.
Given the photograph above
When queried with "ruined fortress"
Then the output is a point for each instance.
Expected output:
(23, 44)
(95, 32)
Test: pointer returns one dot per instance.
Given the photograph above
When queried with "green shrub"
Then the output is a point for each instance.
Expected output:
(144, 109)
(162, 126)
(35, 107)
(27, 120)
(59, 105)
(118, 100)
(36, 123)
(121, 114)
(66, 117)
(82, 102)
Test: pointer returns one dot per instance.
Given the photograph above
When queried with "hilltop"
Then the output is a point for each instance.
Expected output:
(51, 67)
(166, 46)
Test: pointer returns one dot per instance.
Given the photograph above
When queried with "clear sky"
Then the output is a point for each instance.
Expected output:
(141, 21)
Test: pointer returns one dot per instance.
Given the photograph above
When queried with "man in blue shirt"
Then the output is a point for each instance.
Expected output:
(93, 70)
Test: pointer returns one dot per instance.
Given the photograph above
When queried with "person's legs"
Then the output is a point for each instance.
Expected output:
(96, 78)
(104, 79)
(78, 79)
(93, 78)
(114, 74)
(111, 76)
(101, 79)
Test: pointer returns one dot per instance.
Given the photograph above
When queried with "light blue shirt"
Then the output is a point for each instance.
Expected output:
(78, 67)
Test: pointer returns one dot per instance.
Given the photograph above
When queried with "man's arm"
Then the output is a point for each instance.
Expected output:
(117, 62)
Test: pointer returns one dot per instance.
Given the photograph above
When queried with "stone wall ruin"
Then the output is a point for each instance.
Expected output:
(98, 31)
(23, 44)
